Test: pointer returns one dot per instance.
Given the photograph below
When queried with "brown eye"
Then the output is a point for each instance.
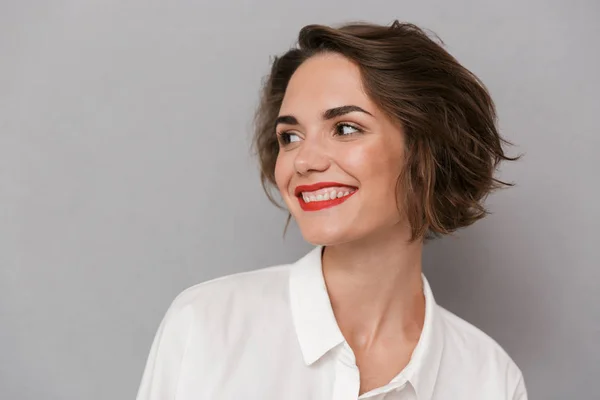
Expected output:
(346, 129)
(287, 138)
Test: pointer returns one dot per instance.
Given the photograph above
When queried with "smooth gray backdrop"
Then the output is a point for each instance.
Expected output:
(125, 177)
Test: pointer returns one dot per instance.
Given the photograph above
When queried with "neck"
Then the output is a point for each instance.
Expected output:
(375, 288)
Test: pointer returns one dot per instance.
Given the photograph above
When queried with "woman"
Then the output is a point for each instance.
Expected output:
(376, 139)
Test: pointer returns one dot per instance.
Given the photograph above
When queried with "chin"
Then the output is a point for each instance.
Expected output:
(320, 236)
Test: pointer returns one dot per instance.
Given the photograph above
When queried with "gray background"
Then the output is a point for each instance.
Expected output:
(125, 177)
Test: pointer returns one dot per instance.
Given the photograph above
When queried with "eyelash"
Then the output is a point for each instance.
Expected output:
(346, 124)
(286, 134)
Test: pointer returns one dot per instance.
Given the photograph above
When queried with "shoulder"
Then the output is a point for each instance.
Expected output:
(239, 291)
(470, 340)
(479, 357)
(210, 316)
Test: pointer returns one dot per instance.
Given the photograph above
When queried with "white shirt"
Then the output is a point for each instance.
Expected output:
(271, 334)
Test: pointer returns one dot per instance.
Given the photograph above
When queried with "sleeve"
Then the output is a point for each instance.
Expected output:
(164, 363)
(520, 390)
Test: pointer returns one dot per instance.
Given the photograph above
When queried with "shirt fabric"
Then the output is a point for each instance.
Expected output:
(272, 334)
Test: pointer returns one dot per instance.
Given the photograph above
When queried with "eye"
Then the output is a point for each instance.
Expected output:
(287, 137)
(346, 129)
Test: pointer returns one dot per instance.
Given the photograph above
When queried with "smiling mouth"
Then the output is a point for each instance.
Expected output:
(312, 198)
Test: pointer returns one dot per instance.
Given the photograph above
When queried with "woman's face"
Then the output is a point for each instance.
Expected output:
(340, 156)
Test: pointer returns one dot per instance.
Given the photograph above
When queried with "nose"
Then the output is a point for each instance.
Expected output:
(311, 157)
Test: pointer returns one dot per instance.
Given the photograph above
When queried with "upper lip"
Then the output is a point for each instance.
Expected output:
(316, 186)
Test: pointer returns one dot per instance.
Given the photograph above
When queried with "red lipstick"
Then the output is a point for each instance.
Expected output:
(319, 205)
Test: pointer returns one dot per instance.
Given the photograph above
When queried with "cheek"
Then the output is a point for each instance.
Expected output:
(282, 173)
(376, 165)
(377, 168)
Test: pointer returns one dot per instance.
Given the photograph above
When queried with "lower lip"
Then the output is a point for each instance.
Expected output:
(319, 205)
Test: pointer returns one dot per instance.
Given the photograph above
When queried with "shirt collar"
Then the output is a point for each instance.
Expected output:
(315, 323)
(422, 369)
(318, 331)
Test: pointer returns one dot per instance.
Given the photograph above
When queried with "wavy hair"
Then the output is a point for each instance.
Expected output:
(453, 146)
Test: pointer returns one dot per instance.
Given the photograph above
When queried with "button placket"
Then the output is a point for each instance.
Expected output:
(347, 378)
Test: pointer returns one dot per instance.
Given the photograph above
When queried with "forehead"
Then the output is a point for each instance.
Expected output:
(324, 81)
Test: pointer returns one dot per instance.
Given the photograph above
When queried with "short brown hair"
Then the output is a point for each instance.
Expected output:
(452, 142)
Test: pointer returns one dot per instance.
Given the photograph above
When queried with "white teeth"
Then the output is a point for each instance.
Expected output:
(333, 194)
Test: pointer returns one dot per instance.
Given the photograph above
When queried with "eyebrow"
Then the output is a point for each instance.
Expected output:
(328, 114)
